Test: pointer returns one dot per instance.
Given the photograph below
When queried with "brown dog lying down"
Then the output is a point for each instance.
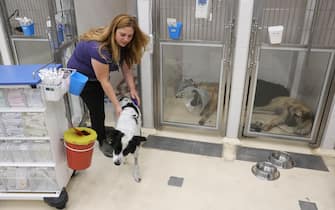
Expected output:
(288, 111)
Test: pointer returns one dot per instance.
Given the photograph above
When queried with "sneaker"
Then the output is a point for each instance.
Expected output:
(106, 149)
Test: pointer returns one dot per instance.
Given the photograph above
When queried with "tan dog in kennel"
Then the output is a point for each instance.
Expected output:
(288, 111)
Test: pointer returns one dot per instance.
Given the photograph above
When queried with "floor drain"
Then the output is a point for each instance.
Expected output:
(176, 181)
(306, 205)
(265, 170)
(281, 159)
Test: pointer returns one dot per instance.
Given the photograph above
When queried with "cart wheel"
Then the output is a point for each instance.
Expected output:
(74, 173)
(58, 202)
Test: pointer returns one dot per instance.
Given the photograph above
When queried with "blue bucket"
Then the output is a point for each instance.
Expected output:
(28, 30)
(175, 31)
(77, 83)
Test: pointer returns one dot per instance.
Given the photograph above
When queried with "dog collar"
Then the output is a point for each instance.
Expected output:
(132, 106)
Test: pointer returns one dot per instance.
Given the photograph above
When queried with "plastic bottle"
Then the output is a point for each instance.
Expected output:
(49, 25)
(51, 34)
(60, 31)
(67, 28)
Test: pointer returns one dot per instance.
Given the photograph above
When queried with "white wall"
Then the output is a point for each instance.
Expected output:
(239, 67)
(4, 45)
(131, 7)
(144, 19)
(328, 140)
(104, 11)
(90, 14)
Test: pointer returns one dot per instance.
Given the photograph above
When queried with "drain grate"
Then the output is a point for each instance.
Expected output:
(305, 205)
(176, 181)
(265, 170)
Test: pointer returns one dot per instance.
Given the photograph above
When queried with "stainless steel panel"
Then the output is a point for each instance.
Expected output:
(300, 18)
(37, 10)
(195, 29)
(32, 51)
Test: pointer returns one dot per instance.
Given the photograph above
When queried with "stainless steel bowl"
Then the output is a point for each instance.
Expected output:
(281, 159)
(265, 170)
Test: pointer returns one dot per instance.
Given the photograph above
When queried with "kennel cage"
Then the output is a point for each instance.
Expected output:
(193, 51)
(300, 67)
(54, 30)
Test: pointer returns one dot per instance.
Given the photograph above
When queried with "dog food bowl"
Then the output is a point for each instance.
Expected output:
(265, 170)
(281, 159)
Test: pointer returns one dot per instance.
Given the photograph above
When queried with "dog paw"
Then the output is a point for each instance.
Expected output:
(137, 179)
(256, 126)
(137, 174)
(267, 127)
(302, 132)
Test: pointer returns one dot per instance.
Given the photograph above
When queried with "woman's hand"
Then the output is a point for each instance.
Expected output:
(128, 76)
(102, 73)
(134, 95)
(118, 110)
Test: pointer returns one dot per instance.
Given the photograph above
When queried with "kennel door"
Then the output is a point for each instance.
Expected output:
(286, 100)
(289, 81)
(193, 51)
(190, 75)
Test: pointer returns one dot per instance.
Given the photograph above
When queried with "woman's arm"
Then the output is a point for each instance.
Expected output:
(129, 77)
(102, 73)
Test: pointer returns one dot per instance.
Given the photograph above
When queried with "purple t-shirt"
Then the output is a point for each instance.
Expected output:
(81, 58)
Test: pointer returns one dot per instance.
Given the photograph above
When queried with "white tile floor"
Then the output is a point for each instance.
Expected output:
(209, 184)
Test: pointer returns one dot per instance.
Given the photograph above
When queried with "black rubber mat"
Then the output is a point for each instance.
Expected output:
(185, 146)
(302, 160)
(243, 153)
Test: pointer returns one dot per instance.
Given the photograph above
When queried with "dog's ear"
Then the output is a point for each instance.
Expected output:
(133, 144)
(116, 134)
(116, 141)
(131, 147)
(139, 139)
(308, 116)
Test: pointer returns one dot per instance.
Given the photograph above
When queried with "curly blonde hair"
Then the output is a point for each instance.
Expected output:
(106, 37)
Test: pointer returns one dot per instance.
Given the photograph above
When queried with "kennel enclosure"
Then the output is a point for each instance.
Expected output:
(300, 67)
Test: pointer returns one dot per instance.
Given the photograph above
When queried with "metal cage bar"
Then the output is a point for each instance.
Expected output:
(296, 17)
(196, 29)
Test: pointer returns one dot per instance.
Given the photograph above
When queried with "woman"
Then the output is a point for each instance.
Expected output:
(101, 50)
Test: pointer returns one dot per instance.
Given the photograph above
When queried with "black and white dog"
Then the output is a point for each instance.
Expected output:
(126, 137)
